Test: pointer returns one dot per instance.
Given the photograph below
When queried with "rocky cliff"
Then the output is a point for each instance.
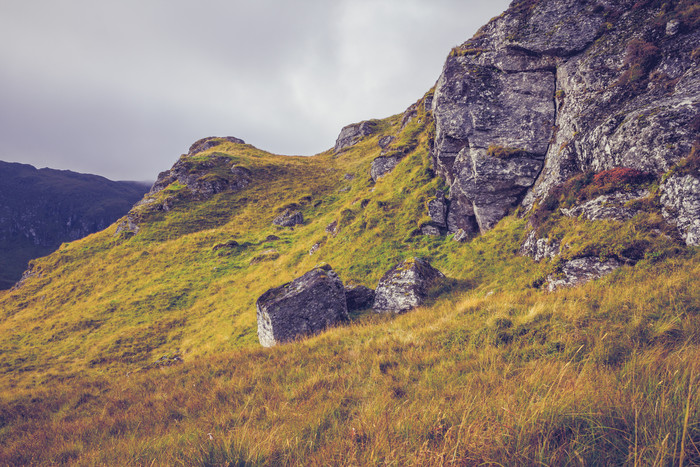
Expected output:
(555, 88)
(40, 209)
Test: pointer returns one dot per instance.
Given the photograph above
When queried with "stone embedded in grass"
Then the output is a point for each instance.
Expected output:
(581, 270)
(359, 297)
(382, 165)
(289, 218)
(307, 305)
(405, 286)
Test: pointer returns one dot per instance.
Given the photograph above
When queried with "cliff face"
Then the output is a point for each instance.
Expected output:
(552, 88)
(40, 209)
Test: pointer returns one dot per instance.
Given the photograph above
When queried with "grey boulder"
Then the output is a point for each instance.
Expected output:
(305, 306)
(405, 286)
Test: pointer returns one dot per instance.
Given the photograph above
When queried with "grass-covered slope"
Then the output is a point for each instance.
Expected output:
(128, 349)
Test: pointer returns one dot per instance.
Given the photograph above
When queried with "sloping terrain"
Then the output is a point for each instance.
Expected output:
(138, 343)
(40, 209)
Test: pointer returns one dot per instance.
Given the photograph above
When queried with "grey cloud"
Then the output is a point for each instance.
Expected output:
(122, 88)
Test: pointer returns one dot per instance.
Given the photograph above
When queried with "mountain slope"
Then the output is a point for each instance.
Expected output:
(147, 348)
(42, 208)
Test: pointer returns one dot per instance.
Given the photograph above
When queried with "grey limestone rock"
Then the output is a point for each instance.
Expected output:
(539, 248)
(359, 297)
(352, 134)
(127, 225)
(680, 198)
(543, 87)
(405, 286)
(314, 248)
(307, 305)
(289, 218)
(460, 236)
(581, 270)
(612, 206)
(431, 230)
(437, 210)
(382, 165)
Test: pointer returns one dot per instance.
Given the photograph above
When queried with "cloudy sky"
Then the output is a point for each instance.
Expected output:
(122, 88)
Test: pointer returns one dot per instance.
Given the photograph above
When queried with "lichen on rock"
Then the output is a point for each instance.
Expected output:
(405, 286)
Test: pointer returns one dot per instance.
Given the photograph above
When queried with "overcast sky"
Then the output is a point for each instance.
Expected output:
(121, 88)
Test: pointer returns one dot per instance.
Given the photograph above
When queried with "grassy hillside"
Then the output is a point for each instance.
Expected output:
(128, 349)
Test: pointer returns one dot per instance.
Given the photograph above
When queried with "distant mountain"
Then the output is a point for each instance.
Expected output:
(41, 208)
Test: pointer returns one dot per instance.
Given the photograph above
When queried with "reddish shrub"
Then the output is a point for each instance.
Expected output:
(619, 177)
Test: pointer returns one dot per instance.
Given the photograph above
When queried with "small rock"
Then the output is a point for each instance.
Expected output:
(332, 228)
(314, 248)
(382, 165)
(229, 244)
(385, 141)
(430, 230)
(437, 209)
(128, 226)
(405, 286)
(359, 297)
(460, 236)
(539, 248)
(348, 177)
(289, 218)
(271, 238)
(672, 27)
(307, 305)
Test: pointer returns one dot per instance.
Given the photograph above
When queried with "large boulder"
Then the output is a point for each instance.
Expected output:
(405, 286)
(307, 305)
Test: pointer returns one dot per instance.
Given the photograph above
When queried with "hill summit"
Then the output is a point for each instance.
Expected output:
(551, 176)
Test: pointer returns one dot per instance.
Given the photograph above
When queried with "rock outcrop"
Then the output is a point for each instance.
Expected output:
(553, 88)
(681, 206)
(539, 248)
(405, 286)
(352, 134)
(612, 206)
(307, 305)
(201, 177)
(581, 270)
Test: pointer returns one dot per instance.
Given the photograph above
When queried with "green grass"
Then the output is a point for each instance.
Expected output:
(144, 349)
